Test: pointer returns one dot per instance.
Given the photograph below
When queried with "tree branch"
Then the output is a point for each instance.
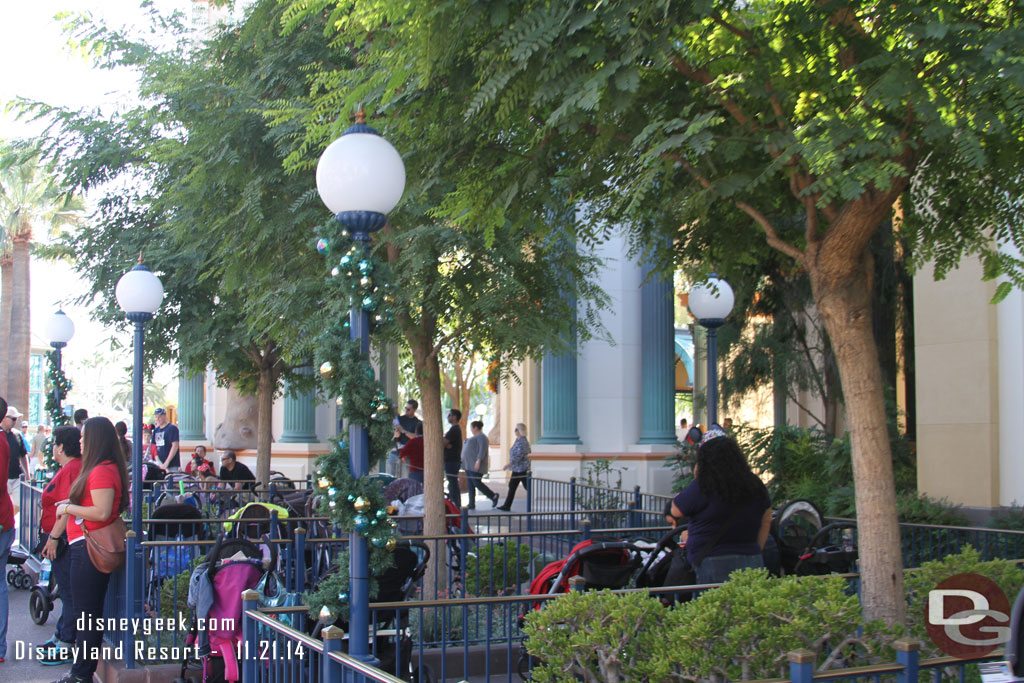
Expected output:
(771, 235)
(731, 28)
(703, 77)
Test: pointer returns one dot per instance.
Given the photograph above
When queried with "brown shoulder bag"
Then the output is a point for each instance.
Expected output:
(106, 546)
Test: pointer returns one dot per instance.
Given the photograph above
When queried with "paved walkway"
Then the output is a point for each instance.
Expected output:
(22, 634)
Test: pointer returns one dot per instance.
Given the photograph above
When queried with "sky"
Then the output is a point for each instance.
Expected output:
(38, 65)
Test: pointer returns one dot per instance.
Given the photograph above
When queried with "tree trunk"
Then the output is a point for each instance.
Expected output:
(842, 293)
(241, 423)
(6, 302)
(428, 377)
(264, 421)
(20, 341)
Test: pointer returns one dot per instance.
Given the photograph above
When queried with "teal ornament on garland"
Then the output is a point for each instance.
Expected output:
(361, 523)
(323, 247)
(343, 597)
(379, 541)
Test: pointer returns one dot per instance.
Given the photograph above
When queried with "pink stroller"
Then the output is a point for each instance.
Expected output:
(215, 594)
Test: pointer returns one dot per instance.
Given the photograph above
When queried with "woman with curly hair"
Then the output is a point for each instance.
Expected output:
(728, 510)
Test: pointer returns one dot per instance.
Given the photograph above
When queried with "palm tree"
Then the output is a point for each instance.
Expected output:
(6, 284)
(29, 195)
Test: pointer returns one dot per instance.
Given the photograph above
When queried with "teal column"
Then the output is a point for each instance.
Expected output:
(191, 406)
(657, 356)
(558, 398)
(299, 413)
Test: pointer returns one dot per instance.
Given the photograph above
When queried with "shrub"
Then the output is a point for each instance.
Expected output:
(1010, 520)
(920, 509)
(740, 631)
(1005, 573)
(495, 567)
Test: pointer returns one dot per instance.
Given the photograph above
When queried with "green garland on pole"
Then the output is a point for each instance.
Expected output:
(61, 385)
(354, 504)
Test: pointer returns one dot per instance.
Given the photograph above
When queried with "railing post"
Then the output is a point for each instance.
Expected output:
(577, 584)
(801, 666)
(300, 560)
(572, 494)
(907, 655)
(331, 670)
(585, 530)
(529, 501)
(464, 549)
(132, 599)
(638, 505)
(275, 532)
(250, 644)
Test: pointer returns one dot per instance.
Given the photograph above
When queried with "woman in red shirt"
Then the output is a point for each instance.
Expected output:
(67, 451)
(6, 535)
(97, 497)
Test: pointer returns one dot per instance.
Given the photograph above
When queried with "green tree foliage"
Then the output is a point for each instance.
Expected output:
(506, 285)
(193, 180)
(705, 121)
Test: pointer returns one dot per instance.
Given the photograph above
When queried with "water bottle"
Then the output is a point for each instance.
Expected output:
(44, 573)
(848, 540)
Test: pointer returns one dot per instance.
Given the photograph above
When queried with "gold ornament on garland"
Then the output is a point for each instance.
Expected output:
(361, 504)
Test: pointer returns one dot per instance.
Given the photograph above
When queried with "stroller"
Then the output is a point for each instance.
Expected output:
(24, 565)
(392, 641)
(168, 561)
(215, 589)
(602, 564)
(255, 520)
(807, 546)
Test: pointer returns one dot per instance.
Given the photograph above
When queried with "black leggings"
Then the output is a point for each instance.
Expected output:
(89, 587)
(513, 484)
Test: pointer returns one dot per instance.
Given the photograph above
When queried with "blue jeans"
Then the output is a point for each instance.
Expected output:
(6, 541)
(474, 484)
(89, 588)
(717, 568)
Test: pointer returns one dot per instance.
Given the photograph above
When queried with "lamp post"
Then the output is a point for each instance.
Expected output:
(139, 294)
(360, 177)
(710, 303)
(59, 330)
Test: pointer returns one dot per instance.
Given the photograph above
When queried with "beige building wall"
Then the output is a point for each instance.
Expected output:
(956, 341)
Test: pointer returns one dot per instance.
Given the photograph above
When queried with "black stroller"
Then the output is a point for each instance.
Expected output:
(392, 641)
(807, 546)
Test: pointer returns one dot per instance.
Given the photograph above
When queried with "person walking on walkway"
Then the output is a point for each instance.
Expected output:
(474, 461)
(98, 496)
(519, 464)
(67, 452)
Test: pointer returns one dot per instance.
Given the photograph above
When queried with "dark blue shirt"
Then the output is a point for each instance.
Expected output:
(706, 515)
(163, 437)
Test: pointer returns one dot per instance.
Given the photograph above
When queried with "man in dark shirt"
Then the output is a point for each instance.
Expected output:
(167, 441)
(453, 455)
(18, 463)
(235, 473)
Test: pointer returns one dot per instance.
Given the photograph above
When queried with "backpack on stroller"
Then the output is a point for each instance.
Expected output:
(215, 596)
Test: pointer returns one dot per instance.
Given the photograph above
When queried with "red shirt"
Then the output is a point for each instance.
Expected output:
(103, 476)
(58, 490)
(6, 505)
(413, 452)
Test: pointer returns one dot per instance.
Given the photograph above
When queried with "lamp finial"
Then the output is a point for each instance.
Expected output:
(140, 257)
(360, 115)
